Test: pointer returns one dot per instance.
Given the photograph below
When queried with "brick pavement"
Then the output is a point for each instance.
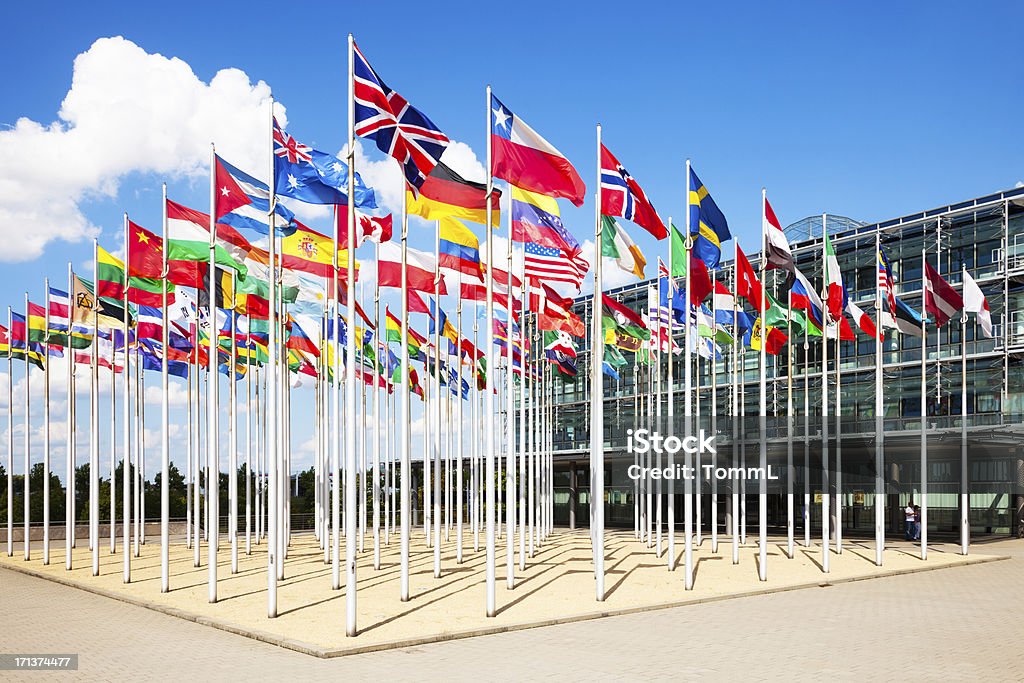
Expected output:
(964, 623)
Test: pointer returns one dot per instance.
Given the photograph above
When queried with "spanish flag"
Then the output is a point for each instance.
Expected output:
(447, 194)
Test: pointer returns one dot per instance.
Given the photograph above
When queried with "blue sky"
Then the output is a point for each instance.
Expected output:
(869, 110)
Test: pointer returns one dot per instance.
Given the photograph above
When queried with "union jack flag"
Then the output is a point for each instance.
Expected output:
(288, 147)
(399, 129)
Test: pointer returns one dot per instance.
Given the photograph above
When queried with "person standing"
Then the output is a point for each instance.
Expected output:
(917, 522)
(909, 515)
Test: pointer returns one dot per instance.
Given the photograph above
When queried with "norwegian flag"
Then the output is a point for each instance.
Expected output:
(622, 196)
(399, 129)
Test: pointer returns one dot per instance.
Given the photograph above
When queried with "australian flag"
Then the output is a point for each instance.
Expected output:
(314, 177)
(399, 129)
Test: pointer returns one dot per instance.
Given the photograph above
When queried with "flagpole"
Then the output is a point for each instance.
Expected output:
(69, 444)
(46, 424)
(790, 473)
(406, 410)
(376, 412)
(165, 491)
(839, 443)
(28, 430)
(249, 370)
(113, 434)
(965, 503)
(531, 436)
(458, 448)
(10, 433)
(436, 414)
(924, 408)
(879, 415)
(762, 564)
(825, 501)
(271, 409)
(334, 446)
(510, 454)
(688, 401)
(94, 502)
(489, 381)
(596, 394)
(807, 440)
(670, 389)
(232, 428)
(350, 365)
(522, 408)
(735, 404)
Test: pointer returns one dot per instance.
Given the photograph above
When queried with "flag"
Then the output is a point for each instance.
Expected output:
(399, 129)
(61, 325)
(708, 225)
(616, 244)
(243, 202)
(833, 282)
(976, 303)
(459, 249)
(526, 160)
(777, 251)
(20, 347)
(556, 313)
(445, 193)
(865, 323)
(622, 196)
(940, 299)
(5, 341)
(309, 251)
(109, 275)
(312, 176)
(149, 323)
(559, 349)
(420, 267)
(298, 337)
(621, 319)
(885, 280)
(904, 319)
(535, 218)
(776, 339)
(700, 281)
(747, 284)
(552, 265)
(678, 246)
(806, 299)
(439, 318)
(701, 285)
(188, 242)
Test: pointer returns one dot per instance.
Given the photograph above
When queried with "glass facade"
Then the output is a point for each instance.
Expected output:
(986, 236)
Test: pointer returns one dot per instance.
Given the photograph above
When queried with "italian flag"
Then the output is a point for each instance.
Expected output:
(617, 244)
(833, 281)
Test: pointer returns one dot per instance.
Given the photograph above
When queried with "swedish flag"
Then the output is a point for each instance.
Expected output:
(707, 224)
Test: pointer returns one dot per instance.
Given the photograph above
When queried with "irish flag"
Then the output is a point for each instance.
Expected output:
(618, 245)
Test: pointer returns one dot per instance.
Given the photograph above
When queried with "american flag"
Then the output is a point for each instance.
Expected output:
(399, 129)
(885, 281)
(547, 264)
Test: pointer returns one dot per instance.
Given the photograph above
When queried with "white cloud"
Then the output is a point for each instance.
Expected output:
(127, 111)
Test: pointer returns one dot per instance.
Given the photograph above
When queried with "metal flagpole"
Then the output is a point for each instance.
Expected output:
(46, 431)
(714, 418)
(458, 447)
(879, 415)
(510, 452)
(522, 408)
(670, 389)
(377, 423)
(213, 415)
(688, 400)
(335, 423)
(839, 445)
(597, 396)
(531, 434)
(965, 502)
(165, 415)
(69, 443)
(94, 501)
(113, 434)
(924, 409)
(271, 409)
(435, 415)
(27, 542)
(762, 512)
(361, 444)
(489, 381)
(825, 498)
(350, 365)
(405, 417)
(232, 431)
(10, 435)
(807, 438)
(249, 370)
(735, 531)
(790, 512)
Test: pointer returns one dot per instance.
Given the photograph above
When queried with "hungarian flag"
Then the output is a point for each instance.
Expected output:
(420, 267)
(188, 242)
(976, 303)
(525, 159)
(834, 282)
(940, 299)
(747, 284)
(622, 196)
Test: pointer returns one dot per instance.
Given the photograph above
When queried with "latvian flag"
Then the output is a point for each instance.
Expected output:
(940, 299)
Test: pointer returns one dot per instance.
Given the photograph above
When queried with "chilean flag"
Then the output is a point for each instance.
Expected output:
(525, 159)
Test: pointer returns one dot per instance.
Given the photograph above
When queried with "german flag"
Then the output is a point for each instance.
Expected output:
(447, 194)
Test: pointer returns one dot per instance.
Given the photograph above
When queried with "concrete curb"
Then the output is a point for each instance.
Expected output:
(326, 653)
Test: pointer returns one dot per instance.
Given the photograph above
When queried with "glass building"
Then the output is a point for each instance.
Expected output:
(985, 235)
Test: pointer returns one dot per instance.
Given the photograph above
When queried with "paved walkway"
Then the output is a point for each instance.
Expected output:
(963, 623)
